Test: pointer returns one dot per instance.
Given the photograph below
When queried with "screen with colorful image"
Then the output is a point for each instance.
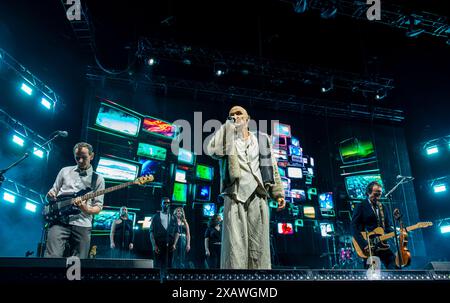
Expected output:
(356, 185)
(202, 192)
(104, 220)
(294, 151)
(279, 154)
(326, 229)
(354, 150)
(281, 129)
(298, 195)
(180, 192)
(309, 212)
(180, 176)
(326, 201)
(282, 171)
(285, 228)
(117, 170)
(286, 183)
(159, 127)
(295, 141)
(294, 172)
(152, 151)
(117, 120)
(209, 209)
(311, 160)
(185, 156)
(204, 172)
(152, 167)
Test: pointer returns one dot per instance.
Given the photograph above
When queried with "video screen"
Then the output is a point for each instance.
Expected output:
(353, 150)
(311, 160)
(104, 220)
(282, 171)
(202, 192)
(152, 167)
(152, 151)
(117, 120)
(298, 195)
(209, 209)
(356, 185)
(326, 229)
(185, 156)
(180, 176)
(204, 172)
(281, 129)
(180, 192)
(286, 183)
(279, 154)
(309, 212)
(117, 170)
(158, 127)
(279, 142)
(295, 141)
(294, 172)
(326, 201)
(294, 151)
(285, 229)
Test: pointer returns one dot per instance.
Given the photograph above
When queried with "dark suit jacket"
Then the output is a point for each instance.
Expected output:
(160, 233)
(364, 219)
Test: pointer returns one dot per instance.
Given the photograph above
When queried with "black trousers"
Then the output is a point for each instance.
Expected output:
(163, 259)
(214, 257)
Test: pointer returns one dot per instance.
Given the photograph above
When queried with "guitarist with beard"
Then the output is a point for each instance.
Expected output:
(76, 230)
(367, 216)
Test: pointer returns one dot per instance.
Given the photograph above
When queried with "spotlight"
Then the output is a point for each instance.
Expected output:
(432, 150)
(151, 61)
(300, 6)
(187, 62)
(30, 207)
(327, 85)
(28, 90)
(46, 103)
(439, 188)
(9, 197)
(381, 94)
(445, 229)
(220, 69)
(38, 152)
(18, 140)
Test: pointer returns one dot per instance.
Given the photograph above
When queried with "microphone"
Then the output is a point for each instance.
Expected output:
(405, 177)
(62, 133)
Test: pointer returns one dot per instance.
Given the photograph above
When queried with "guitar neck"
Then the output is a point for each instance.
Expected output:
(392, 234)
(106, 190)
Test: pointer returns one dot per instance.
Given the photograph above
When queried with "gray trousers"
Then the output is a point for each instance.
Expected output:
(77, 238)
(245, 234)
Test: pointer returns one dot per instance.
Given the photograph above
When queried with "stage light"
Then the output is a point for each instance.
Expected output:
(381, 94)
(151, 61)
(220, 69)
(46, 103)
(432, 150)
(18, 140)
(26, 89)
(9, 197)
(439, 188)
(187, 62)
(445, 229)
(300, 6)
(219, 72)
(327, 85)
(30, 207)
(38, 152)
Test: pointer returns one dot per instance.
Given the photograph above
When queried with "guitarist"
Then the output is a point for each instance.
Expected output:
(367, 216)
(76, 231)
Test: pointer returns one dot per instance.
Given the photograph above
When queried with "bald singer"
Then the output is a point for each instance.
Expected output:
(249, 176)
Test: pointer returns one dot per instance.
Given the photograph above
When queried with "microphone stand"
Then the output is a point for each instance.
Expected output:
(388, 195)
(3, 171)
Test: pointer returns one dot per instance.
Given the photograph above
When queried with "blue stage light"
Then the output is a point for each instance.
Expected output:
(30, 207)
(445, 229)
(18, 140)
(9, 197)
(38, 152)
(47, 104)
(432, 150)
(439, 188)
(26, 89)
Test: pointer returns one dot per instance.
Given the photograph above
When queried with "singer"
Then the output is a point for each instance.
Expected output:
(367, 216)
(71, 179)
(249, 176)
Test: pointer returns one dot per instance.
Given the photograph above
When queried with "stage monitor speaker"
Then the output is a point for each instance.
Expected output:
(438, 266)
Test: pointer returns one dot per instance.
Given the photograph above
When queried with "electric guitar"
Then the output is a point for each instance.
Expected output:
(377, 239)
(64, 205)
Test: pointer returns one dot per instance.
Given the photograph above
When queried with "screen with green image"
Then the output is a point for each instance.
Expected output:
(204, 172)
(180, 192)
(151, 151)
(355, 150)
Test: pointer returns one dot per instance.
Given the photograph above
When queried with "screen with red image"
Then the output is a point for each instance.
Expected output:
(159, 127)
(285, 228)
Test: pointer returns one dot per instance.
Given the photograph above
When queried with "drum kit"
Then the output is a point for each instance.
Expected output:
(343, 255)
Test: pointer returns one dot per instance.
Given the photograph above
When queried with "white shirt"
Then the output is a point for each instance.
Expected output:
(164, 219)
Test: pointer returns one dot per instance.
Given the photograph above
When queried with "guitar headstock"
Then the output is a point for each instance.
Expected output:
(424, 224)
(144, 179)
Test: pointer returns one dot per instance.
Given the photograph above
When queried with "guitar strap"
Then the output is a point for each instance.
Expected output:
(94, 180)
(380, 208)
